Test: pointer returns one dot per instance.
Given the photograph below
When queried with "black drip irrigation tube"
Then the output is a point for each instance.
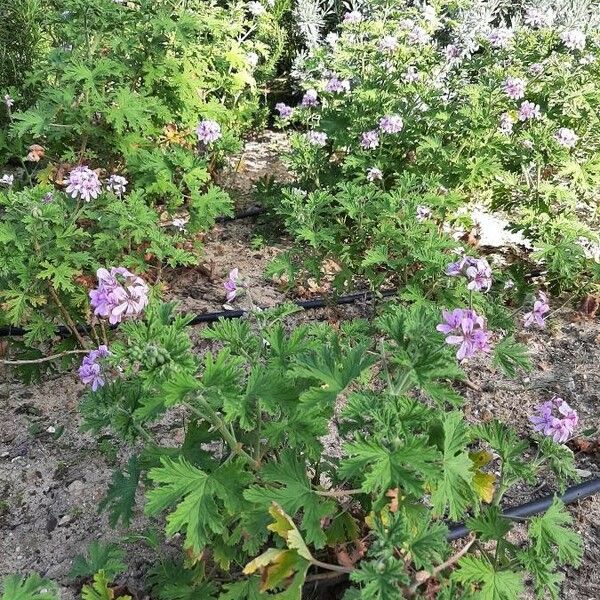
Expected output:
(233, 314)
(253, 211)
(573, 494)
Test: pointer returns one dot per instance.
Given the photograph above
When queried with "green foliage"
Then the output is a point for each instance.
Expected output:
(100, 589)
(33, 587)
(108, 558)
(283, 429)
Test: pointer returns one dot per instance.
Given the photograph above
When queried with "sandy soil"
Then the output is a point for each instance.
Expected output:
(50, 486)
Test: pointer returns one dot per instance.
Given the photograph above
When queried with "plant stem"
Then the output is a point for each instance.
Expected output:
(330, 567)
(338, 493)
(66, 316)
(34, 361)
(217, 422)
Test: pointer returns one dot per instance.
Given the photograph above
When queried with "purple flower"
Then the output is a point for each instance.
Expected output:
(310, 99)
(117, 184)
(83, 183)
(411, 75)
(316, 138)
(500, 37)
(391, 124)
(388, 44)
(506, 123)
(285, 111)
(208, 131)
(479, 275)
(369, 139)
(555, 419)
(536, 69)
(466, 329)
(529, 110)
(573, 39)
(566, 137)
(337, 86)
(452, 52)
(539, 17)
(8, 101)
(423, 213)
(90, 371)
(536, 316)
(374, 174)
(119, 294)
(353, 17)
(418, 35)
(476, 270)
(48, 197)
(514, 87)
(231, 285)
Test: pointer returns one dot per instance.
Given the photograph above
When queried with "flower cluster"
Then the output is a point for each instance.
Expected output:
(566, 137)
(369, 140)
(7, 179)
(391, 124)
(500, 37)
(476, 270)
(573, 39)
(529, 110)
(208, 131)
(119, 294)
(83, 183)
(335, 85)
(506, 123)
(536, 317)
(117, 184)
(317, 138)
(90, 371)
(309, 100)
(514, 87)
(463, 327)
(374, 174)
(388, 44)
(285, 111)
(555, 419)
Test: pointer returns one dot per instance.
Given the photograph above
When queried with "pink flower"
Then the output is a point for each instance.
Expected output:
(208, 131)
(466, 329)
(337, 86)
(231, 285)
(506, 123)
(388, 44)
(310, 99)
(353, 17)
(566, 137)
(369, 140)
(476, 270)
(391, 124)
(83, 183)
(529, 110)
(91, 371)
(555, 419)
(316, 138)
(119, 294)
(514, 87)
(573, 39)
(536, 317)
(285, 111)
(374, 174)
(500, 37)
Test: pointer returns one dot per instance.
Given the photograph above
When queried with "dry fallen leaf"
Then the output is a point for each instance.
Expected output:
(590, 305)
(36, 153)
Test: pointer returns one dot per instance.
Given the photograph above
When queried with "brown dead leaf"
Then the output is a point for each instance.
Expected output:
(585, 445)
(3, 348)
(350, 558)
(36, 153)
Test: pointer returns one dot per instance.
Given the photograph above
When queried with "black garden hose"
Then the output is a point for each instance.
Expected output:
(233, 314)
(572, 494)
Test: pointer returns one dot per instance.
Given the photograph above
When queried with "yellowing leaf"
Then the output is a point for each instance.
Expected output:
(285, 528)
(484, 485)
(480, 459)
(264, 559)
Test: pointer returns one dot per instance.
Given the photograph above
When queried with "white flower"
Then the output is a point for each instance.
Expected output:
(7, 179)
(374, 174)
(566, 137)
(573, 39)
(180, 223)
(256, 9)
(252, 59)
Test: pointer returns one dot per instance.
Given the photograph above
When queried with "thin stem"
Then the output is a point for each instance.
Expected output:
(217, 422)
(338, 493)
(34, 361)
(66, 316)
(330, 567)
(422, 576)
